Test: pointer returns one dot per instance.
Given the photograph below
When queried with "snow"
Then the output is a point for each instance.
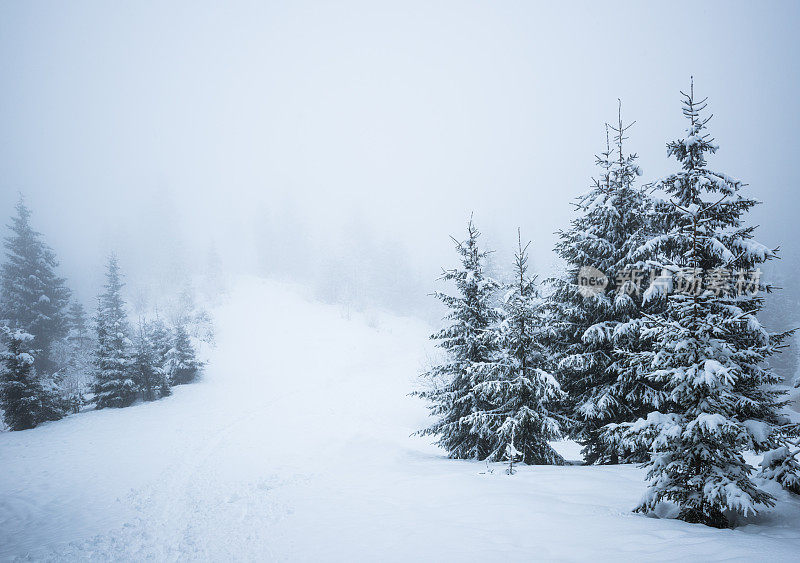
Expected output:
(25, 358)
(296, 446)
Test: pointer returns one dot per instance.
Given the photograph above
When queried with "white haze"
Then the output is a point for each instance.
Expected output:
(317, 141)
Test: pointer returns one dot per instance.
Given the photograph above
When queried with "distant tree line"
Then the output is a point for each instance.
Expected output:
(647, 349)
(55, 361)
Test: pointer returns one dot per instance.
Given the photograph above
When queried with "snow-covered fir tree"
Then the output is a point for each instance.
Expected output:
(185, 311)
(160, 339)
(33, 297)
(182, 365)
(709, 351)
(73, 357)
(24, 400)
(468, 343)
(520, 394)
(77, 322)
(781, 463)
(20, 391)
(148, 371)
(73, 379)
(114, 385)
(591, 327)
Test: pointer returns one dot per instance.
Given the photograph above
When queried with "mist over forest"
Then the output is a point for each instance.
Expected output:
(292, 137)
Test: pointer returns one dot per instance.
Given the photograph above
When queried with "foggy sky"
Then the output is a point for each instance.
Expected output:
(297, 132)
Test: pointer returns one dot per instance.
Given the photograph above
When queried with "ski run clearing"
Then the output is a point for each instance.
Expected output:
(296, 446)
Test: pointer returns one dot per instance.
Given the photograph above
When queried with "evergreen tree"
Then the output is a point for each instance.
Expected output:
(781, 463)
(709, 350)
(520, 393)
(20, 391)
(182, 364)
(149, 373)
(592, 326)
(73, 357)
(469, 344)
(77, 323)
(161, 343)
(25, 402)
(32, 297)
(161, 340)
(114, 386)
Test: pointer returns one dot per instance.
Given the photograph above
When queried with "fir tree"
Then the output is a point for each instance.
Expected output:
(114, 386)
(73, 356)
(32, 297)
(709, 351)
(469, 344)
(20, 391)
(77, 323)
(25, 402)
(521, 395)
(591, 328)
(161, 340)
(181, 362)
(148, 370)
(161, 343)
(781, 463)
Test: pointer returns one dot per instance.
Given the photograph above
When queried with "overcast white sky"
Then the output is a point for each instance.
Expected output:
(134, 125)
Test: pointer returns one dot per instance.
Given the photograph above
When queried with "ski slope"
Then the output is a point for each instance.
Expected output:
(295, 447)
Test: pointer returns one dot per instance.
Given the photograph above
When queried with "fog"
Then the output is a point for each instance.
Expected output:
(330, 141)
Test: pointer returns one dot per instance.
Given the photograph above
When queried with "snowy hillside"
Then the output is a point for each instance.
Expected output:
(296, 446)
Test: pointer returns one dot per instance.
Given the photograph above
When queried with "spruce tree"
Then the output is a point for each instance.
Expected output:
(33, 298)
(148, 371)
(593, 326)
(114, 385)
(182, 364)
(161, 340)
(781, 463)
(709, 351)
(20, 393)
(73, 356)
(469, 344)
(76, 322)
(521, 394)
(25, 401)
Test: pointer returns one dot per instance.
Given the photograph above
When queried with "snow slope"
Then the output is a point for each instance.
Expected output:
(296, 446)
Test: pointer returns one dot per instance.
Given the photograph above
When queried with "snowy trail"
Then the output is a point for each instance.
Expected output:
(296, 447)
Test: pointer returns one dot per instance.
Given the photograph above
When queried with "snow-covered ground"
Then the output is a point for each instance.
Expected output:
(296, 446)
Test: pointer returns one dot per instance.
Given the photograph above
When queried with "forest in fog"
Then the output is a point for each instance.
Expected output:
(402, 281)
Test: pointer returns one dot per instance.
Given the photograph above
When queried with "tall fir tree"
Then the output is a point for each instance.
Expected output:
(182, 365)
(114, 385)
(709, 351)
(522, 396)
(469, 344)
(33, 297)
(590, 328)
